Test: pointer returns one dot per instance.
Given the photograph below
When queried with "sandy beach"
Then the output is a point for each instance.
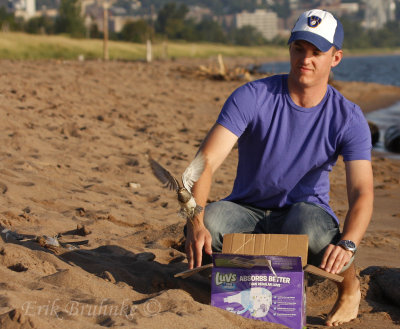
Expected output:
(74, 141)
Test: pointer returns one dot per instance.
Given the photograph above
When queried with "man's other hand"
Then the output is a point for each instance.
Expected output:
(335, 258)
(198, 237)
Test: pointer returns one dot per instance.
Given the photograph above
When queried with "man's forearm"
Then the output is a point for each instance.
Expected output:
(360, 193)
(201, 191)
(358, 218)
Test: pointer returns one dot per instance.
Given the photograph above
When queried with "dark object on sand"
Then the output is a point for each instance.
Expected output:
(374, 132)
(392, 139)
(383, 282)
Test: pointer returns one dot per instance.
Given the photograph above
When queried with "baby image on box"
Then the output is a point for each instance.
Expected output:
(255, 300)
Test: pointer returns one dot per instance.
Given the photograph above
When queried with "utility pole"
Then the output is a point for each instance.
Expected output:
(149, 50)
(105, 30)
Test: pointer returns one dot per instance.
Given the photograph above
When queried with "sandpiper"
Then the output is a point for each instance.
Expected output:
(189, 208)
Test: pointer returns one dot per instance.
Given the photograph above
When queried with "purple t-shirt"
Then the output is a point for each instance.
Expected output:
(286, 151)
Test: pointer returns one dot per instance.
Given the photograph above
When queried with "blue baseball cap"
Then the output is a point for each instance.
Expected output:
(320, 28)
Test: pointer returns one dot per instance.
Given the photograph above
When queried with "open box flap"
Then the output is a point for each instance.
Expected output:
(273, 263)
(308, 269)
(267, 244)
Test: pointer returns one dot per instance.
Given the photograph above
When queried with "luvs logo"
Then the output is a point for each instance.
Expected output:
(221, 278)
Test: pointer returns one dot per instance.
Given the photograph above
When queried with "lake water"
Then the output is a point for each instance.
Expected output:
(379, 69)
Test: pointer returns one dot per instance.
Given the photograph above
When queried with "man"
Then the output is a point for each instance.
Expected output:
(290, 131)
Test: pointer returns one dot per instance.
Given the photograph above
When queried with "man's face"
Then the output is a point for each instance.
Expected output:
(309, 66)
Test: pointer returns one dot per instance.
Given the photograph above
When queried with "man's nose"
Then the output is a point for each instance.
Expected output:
(306, 56)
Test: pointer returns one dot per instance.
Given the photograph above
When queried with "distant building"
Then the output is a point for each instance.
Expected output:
(349, 8)
(329, 3)
(197, 13)
(226, 21)
(48, 12)
(117, 23)
(378, 13)
(266, 22)
(27, 9)
(24, 8)
(294, 4)
(337, 8)
(30, 8)
(136, 4)
(93, 12)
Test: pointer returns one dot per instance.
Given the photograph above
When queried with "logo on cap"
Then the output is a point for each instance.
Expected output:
(313, 21)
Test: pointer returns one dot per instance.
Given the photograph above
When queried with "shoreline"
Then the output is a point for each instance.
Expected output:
(370, 96)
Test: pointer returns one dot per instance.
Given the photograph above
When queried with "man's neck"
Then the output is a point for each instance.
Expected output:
(306, 96)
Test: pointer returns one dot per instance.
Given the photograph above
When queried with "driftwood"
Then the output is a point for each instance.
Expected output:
(217, 71)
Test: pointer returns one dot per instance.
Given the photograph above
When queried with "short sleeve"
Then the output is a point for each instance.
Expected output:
(239, 109)
(356, 144)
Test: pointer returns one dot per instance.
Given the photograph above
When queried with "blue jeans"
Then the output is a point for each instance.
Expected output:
(224, 217)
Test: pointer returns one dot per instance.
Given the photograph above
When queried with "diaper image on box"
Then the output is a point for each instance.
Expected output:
(255, 300)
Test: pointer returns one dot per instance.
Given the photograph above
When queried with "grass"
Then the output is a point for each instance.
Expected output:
(21, 46)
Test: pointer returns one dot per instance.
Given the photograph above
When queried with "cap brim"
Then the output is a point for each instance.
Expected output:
(321, 43)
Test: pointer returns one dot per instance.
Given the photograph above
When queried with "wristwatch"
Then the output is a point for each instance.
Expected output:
(348, 245)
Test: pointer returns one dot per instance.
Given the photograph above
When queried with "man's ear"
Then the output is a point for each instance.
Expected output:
(337, 57)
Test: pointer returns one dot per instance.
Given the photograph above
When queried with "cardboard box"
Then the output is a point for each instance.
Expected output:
(261, 276)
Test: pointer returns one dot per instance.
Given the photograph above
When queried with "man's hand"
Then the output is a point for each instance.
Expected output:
(197, 237)
(335, 258)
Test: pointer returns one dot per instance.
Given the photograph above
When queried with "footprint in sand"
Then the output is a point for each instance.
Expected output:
(27, 184)
(19, 267)
(15, 319)
(3, 188)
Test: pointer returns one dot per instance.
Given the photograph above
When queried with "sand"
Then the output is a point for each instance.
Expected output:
(74, 141)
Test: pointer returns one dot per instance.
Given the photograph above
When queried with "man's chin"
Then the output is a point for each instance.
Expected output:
(304, 81)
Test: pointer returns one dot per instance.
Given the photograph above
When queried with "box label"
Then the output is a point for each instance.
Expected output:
(267, 293)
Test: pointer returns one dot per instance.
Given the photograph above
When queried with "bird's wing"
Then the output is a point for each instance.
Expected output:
(163, 175)
(193, 171)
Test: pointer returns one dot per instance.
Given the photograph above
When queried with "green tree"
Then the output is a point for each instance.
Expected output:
(171, 20)
(209, 30)
(188, 31)
(8, 21)
(247, 36)
(355, 36)
(41, 24)
(397, 13)
(388, 36)
(138, 31)
(282, 8)
(94, 32)
(69, 19)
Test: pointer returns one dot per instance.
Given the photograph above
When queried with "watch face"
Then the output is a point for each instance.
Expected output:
(349, 244)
